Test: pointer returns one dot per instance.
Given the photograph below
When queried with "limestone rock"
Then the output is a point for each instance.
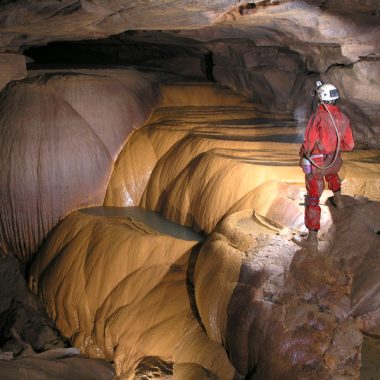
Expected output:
(12, 67)
(24, 23)
(24, 327)
(63, 364)
(130, 300)
(276, 319)
(131, 173)
(311, 37)
(192, 159)
(60, 135)
(279, 312)
(264, 73)
(191, 183)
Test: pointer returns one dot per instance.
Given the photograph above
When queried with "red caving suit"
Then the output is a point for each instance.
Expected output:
(320, 141)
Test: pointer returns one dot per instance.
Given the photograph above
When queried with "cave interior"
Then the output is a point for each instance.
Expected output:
(151, 190)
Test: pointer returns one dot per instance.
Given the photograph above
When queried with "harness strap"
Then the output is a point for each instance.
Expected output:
(311, 201)
(317, 156)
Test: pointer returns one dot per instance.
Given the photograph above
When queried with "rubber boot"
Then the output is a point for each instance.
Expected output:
(338, 200)
(310, 241)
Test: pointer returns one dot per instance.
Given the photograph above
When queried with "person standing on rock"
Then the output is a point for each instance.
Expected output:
(328, 132)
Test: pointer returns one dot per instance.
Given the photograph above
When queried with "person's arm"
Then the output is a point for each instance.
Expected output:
(347, 141)
(311, 136)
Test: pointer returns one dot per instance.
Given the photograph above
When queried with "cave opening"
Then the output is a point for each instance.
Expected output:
(144, 50)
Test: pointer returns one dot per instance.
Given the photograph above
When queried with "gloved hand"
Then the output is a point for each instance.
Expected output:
(305, 165)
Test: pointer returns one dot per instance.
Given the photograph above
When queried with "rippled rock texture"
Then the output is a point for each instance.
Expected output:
(192, 155)
(60, 135)
(131, 301)
(246, 303)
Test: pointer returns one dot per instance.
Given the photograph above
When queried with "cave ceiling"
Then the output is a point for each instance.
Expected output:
(353, 24)
(330, 40)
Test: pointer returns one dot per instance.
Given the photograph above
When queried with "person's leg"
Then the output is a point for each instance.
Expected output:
(314, 187)
(333, 182)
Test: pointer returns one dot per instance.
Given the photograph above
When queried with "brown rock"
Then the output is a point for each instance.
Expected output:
(12, 67)
(280, 314)
(63, 364)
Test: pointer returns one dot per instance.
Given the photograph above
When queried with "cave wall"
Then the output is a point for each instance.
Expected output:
(60, 135)
(282, 79)
(337, 44)
(263, 73)
(12, 67)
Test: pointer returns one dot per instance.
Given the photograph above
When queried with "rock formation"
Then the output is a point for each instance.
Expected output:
(60, 134)
(279, 305)
(269, 50)
(194, 110)
(187, 170)
(256, 293)
(12, 67)
(130, 299)
(62, 364)
(30, 345)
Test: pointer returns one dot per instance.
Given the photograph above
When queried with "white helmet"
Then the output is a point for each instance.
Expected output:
(328, 93)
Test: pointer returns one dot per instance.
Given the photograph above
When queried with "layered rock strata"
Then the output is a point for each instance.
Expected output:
(270, 50)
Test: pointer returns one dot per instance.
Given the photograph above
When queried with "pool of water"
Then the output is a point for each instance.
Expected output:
(152, 219)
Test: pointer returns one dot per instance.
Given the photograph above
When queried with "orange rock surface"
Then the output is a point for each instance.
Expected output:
(118, 289)
(193, 155)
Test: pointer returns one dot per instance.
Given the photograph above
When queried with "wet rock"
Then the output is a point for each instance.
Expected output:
(154, 367)
(26, 331)
(130, 301)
